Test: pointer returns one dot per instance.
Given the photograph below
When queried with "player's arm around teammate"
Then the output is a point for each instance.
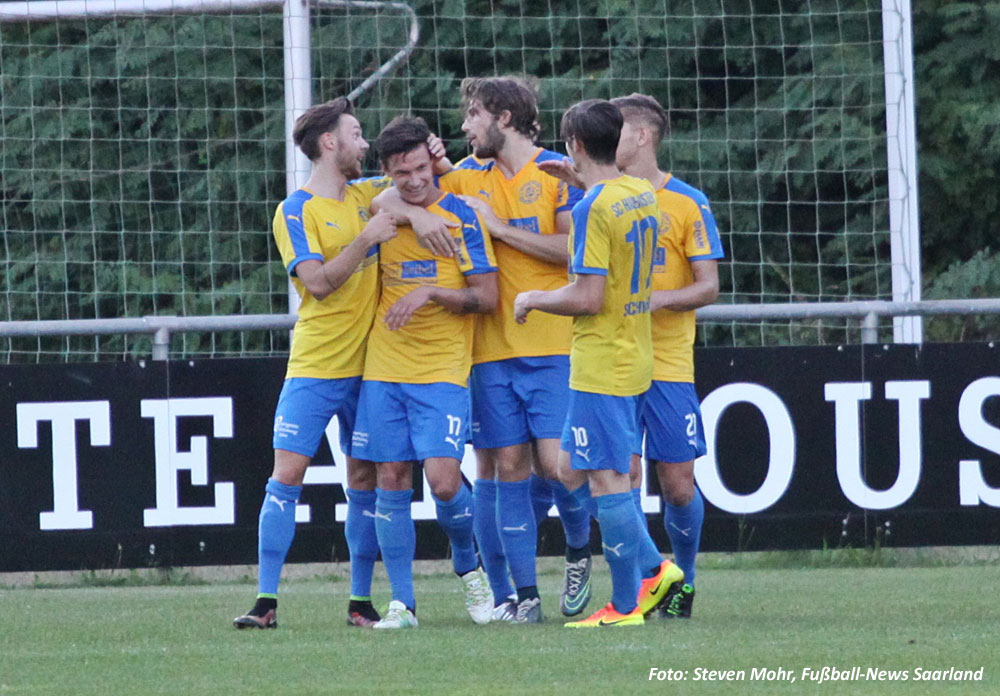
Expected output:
(414, 404)
(613, 235)
(330, 258)
(685, 277)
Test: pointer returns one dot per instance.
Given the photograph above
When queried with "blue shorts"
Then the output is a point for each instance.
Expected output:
(671, 419)
(600, 431)
(411, 422)
(519, 399)
(305, 407)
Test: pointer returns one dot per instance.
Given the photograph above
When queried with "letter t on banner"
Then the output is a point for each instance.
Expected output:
(66, 513)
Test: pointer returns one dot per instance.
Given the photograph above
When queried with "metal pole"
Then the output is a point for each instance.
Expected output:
(901, 135)
(298, 98)
(869, 328)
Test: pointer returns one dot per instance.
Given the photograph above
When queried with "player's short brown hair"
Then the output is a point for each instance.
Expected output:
(597, 125)
(498, 94)
(401, 135)
(317, 120)
(646, 108)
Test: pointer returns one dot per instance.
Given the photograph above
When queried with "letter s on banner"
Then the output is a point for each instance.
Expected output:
(781, 459)
(972, 488)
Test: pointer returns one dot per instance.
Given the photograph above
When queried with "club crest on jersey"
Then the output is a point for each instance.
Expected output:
(530, 192)
(364, 214)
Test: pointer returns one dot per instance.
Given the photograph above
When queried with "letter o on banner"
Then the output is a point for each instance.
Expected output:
(781, 460)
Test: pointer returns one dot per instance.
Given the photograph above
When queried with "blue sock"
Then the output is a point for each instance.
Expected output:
(541, 498)
(581, 496)
(619, 532)
(455, 517)
(361, 540)
(484, 493)
(574, 513)
(518, 531)
(275, 531)
(398, 540)
(683, 525)
(649, 555)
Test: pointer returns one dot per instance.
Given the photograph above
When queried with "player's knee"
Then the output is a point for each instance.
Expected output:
(513, 470)
(361, 475)
(393, 477)
(679, 497)
(445, 488)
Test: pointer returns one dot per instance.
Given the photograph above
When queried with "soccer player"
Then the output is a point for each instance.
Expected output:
(685, 277)
(520, 374)
(611, 362)
(414, 403)
(329, 244)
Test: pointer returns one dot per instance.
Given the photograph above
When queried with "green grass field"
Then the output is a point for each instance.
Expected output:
(178, 639)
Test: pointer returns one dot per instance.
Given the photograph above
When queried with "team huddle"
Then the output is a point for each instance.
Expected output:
(437, 309)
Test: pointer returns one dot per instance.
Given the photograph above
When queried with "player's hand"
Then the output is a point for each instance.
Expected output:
(401, 312)
(494, 225)
(380, 228)
(522, 306)
(436, 147)
(439, 155)
(562, 169)
(434, 233)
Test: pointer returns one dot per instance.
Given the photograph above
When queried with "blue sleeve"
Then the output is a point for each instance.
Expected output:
(293, 214)
(581, 221)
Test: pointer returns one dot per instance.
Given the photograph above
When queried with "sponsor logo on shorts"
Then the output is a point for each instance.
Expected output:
(359, 439)
(283, 428)
(584, 454)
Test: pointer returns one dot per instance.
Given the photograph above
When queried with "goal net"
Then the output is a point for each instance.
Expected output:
(142, 155)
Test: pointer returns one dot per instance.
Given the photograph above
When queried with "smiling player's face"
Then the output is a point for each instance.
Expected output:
(351, 146)
(412, 173)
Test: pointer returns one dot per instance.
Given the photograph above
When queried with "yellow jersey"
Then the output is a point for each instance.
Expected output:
(614, 231)
(436, 344)
(328, 341)
(687, 233)
(528, 200)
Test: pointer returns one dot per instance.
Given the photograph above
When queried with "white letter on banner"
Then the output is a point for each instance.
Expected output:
(165, 413)
(781, 459)
(847, 397)
(972, 488)
(66, 513)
